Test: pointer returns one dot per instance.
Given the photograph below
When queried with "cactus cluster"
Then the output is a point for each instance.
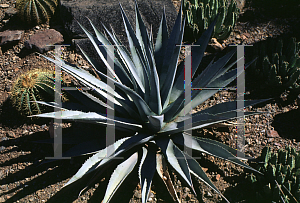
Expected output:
(200, 14)
(278, 65)
(281, 178)
(34, 85)
(35, 12)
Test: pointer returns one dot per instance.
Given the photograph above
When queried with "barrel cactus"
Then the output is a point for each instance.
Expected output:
(277, 68)
(36, 11)
(284, 168)
(200, 14)
(33, 85)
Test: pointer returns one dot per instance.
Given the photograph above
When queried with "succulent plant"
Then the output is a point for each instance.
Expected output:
(201, 13)
(149, 104)
(33, 85)
(281, 178)
(36, 11)
(278, 65)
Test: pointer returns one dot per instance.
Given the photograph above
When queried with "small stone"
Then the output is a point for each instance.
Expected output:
(10, 12)
(247, 35)
(11, 36)
(2, 148)
(209, 194)
(215, 45)
(272, 133)
(243, 37)
(218, 177)
(2, 199)
(10, 134)
(270, 139)
(72, 58)
(4, 5)
(42, 39)
(238, 37)
(137, 194)
(278, 144)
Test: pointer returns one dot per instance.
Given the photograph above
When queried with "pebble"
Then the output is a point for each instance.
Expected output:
(4, 5)
(10, 134)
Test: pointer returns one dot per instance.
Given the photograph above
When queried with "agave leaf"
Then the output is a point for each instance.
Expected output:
(146, 171)
(211, 72)
(163, 173)
(92, 117)
(128, 144)
(155, 101)
(100, 50)
(176, 158)
(171, 49)
(161, 43)
(86, 78)
(93, 160)
(119, 175)
(125, 79)
(197, 171)
(142, 36)
(196, 51)
(208, 148)
(171, 73)
(124, 55)
(228, 106)
(156, 122)
(135, 51)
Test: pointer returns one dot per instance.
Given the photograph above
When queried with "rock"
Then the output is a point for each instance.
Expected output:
(4, 5)
(272, 133)
(10, 12)
(41, 39)
(8, 36)
(108, 13)
(11, 134)
(214, 45)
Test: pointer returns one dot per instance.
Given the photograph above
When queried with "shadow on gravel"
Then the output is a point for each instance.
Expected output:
(287, 125)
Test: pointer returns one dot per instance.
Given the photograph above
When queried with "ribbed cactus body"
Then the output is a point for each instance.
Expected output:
(34, 85)
(278, 65)
(284, 168)
(200, 13)
(36, 11)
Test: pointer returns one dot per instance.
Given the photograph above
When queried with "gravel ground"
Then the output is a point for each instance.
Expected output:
(23, 179)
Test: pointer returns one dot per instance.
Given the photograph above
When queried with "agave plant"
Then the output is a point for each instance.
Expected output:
(148, 99)
(36, 11)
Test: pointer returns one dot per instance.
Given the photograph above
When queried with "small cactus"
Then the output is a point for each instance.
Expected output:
(277, 68)
(284, 171)
(36, 11)
(200, 13)
(34, 85)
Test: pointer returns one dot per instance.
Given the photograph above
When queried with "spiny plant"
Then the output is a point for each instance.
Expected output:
(33, 85)
(277, 68)
(148, 98)
(201, 13)
(35, 12)
(281, 181)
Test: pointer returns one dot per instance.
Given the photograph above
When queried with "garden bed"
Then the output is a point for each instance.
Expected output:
(23, 179)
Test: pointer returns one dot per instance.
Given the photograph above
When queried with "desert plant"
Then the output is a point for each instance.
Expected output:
(282, 175)
(148, 99)
(33, 85)
(201, 13)
(277, 68)
(36, 11)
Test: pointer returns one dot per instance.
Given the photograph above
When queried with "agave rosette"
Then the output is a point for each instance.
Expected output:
(148, 101)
